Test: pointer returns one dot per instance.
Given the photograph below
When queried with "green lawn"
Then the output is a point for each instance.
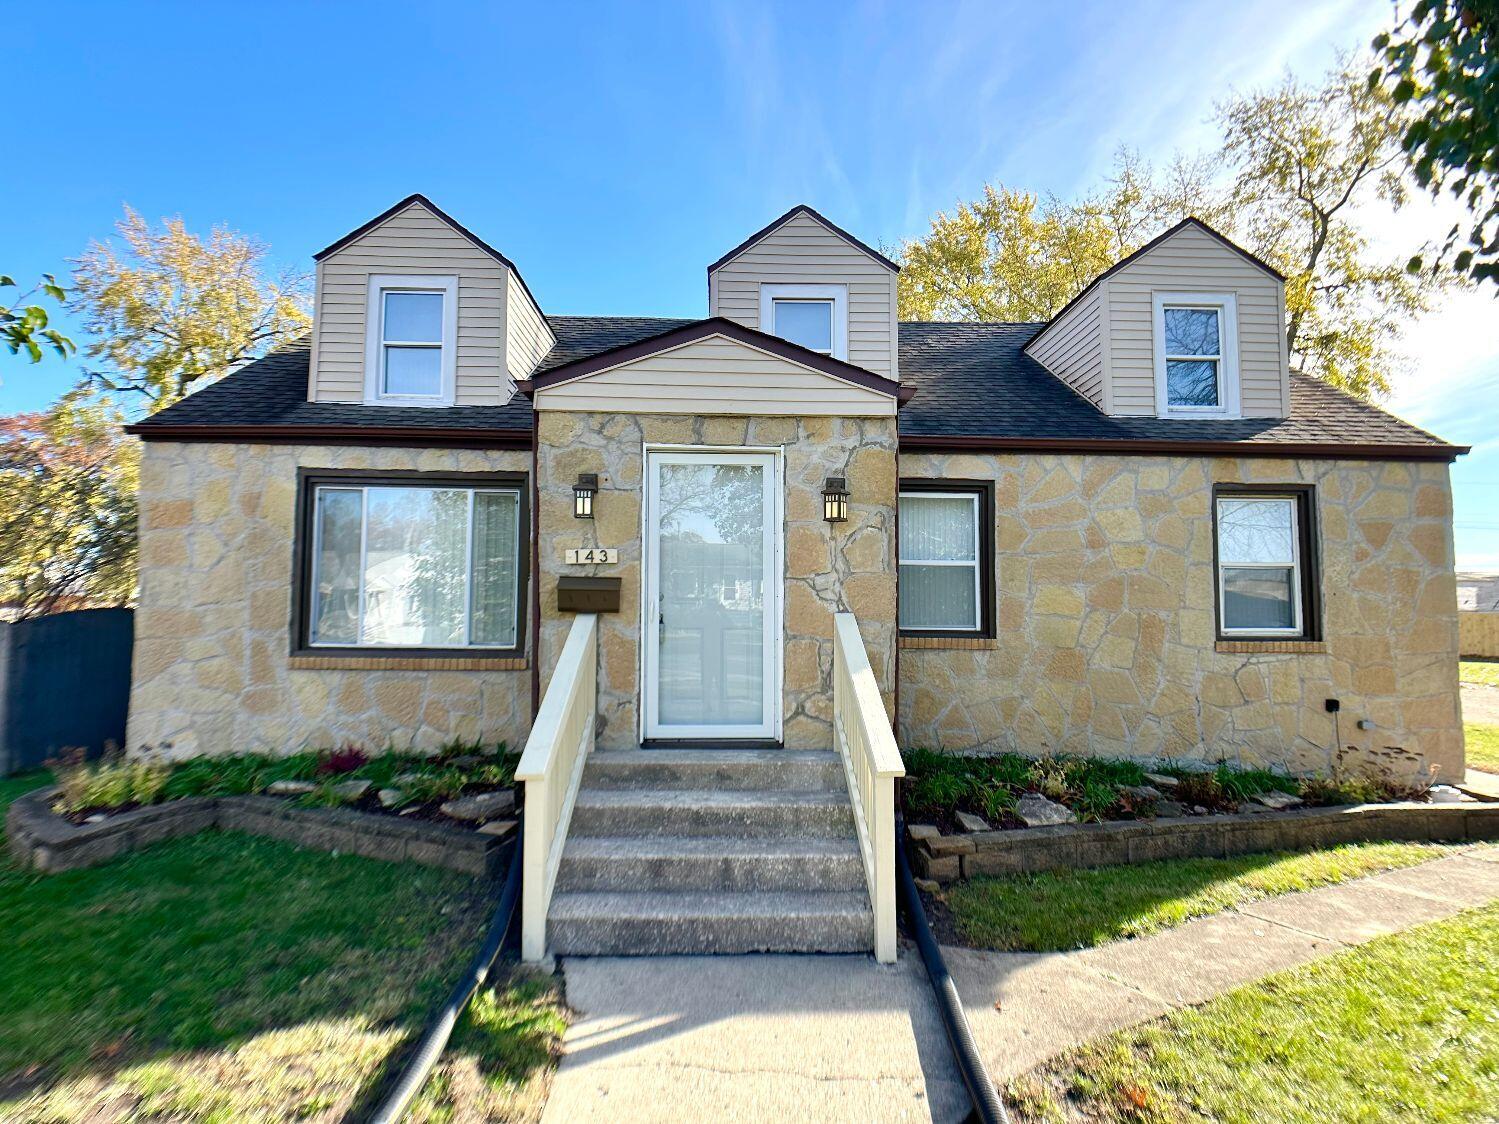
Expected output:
(1482, 746)
(1080, 908)
(1401, 1029)
(223, 978)
(1485, 672)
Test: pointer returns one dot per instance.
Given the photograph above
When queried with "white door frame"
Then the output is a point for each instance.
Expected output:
(773, 459)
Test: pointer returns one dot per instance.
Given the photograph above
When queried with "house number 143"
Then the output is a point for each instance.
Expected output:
(592, 555)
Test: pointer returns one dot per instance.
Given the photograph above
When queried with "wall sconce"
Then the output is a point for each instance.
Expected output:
(583, 490)
(835, 499)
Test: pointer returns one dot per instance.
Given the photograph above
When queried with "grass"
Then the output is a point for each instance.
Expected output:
(1079, 908)
(224, 978)
(1482, 746)
(1403, 1028)
(1484, 672)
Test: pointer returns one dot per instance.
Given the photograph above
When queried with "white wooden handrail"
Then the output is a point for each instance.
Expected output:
(871, 762)
(552, 767)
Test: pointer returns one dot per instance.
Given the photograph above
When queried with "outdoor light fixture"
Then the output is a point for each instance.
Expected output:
(583, 490)
(835, 499)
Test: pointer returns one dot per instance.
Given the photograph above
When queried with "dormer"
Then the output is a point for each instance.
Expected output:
(412, 309)
(1188, 326)
(808, 281)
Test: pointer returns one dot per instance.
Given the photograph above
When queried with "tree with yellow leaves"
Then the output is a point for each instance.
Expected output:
(175, 310)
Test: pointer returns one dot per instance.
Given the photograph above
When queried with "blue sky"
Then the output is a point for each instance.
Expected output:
(613, 151)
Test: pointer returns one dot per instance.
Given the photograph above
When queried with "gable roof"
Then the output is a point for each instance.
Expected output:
(693, 330)
(418, 198)
(803, 209)
(1189, 221)
(976, 388)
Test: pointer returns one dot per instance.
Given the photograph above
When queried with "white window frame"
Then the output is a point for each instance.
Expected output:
(1297, 594)
(311, 593)
(374, 359)
(837, 295)
(1226, 306)
(977, 626)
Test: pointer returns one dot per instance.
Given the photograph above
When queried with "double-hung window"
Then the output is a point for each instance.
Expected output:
(946, 558)
(1265, 563)
(407, 563)
(813, 316)
(410, 354)
(1196, 354)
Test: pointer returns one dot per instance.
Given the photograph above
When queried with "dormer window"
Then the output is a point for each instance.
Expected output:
(413, 324)
(1196, 355)
(811, 316)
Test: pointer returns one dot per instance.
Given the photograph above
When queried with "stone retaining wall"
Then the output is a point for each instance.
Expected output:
(40, 839)
(946, 858)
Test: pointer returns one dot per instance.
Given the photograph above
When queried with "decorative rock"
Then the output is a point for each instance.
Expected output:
(1199, 810)
(920, 831)
(969, 822)
(464, 761)
(1251, 808)
(1035, 810)
(390, 797)
(928, 886)
(1162, 780)
(1277, 800)
(350, 791)
(289, 788)
(501, 828)
(97, 817)
(1140, 792)
(1444, 794)
(485, 806)
(407, 778)
(1170, 808)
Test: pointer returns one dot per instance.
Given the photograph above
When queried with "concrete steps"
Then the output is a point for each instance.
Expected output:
(711, 851)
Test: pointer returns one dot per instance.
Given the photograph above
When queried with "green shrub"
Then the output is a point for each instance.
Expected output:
(112, 782)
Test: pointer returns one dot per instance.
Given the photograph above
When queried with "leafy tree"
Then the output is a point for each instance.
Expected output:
(25, 325)
(68, 478)
(1443, 61)
(175, 310)
(1297, 164)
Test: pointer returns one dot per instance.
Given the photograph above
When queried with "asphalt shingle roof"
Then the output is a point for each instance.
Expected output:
(971, 380)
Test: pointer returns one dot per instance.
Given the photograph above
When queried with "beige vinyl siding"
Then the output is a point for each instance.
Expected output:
(1194, 261)
(528, 337)
(802, 251)
(1072, 347)
(414, 241)
(715, 376)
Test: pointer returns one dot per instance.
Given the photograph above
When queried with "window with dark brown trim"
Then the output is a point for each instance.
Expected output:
(1266, 580)
(410, 564)
(946, 558)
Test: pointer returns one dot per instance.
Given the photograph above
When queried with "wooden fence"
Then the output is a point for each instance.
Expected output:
(1478, 635)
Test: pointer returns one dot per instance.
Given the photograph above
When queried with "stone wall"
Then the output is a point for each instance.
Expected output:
(1106, 632)
(829, 567)
(212, 671)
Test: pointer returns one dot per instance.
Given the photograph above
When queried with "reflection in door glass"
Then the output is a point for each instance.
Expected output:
(712, 587)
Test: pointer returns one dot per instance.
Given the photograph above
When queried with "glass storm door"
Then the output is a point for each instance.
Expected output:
(712, 622)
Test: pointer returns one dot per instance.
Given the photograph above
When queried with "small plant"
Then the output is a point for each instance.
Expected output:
(343, 760)
(112, 782)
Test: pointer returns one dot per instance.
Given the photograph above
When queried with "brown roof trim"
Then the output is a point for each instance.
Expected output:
(803, 209)
(1140, 446)
(1190, 220)
(418, 197)
(701, 329)
(412, 436)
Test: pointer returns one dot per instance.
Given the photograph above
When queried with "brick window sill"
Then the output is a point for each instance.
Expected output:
(408, 663)
(961, 643)
(1273, 647)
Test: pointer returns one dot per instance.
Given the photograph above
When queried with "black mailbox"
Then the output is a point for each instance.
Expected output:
(587, 595)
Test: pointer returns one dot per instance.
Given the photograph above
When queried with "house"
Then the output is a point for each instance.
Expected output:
(1131, 530)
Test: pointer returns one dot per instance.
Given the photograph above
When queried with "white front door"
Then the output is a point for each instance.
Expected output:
(712, 604)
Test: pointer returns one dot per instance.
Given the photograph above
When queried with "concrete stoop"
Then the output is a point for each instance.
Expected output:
(711, 851)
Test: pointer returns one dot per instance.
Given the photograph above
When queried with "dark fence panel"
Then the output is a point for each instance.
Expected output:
(66, 684)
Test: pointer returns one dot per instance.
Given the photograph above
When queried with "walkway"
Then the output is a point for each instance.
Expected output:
(835, 1038)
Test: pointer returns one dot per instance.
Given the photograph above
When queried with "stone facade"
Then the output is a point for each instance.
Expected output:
(1106, 629)
(213, 671)
(828, 567)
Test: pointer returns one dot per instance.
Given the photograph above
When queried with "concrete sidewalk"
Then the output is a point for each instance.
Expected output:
(841, 1038)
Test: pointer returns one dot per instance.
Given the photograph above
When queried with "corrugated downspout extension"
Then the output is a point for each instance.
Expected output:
(440, 1029)
(981, 1091)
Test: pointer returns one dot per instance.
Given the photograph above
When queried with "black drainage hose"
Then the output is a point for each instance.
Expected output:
(981, 1091)
(440, 1029)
